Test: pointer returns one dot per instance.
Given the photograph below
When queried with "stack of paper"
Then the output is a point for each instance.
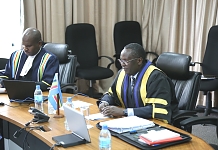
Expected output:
(127, 124)
(160, 136)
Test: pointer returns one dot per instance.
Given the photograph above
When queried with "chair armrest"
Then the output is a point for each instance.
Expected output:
(176, 121)
(188, 123)
(65, 88)
(153, 53)
(111, 60)
(181, 113)
(193, 63)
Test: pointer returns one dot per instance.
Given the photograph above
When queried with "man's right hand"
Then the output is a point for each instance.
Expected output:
(102, 105)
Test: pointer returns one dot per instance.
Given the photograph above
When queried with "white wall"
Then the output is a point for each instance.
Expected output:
(10, 27)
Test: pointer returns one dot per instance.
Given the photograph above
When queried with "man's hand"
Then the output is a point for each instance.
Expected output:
(102, 105)
(112, 110)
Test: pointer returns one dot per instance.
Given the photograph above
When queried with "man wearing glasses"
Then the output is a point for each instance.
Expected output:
(139, 89)
(32, 63)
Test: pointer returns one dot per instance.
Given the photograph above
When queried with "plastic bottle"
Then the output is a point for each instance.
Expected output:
(70, 104)
(104, 138)
(51, 109)
(38, 98)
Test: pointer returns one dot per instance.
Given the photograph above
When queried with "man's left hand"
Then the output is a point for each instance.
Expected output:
(112, 110)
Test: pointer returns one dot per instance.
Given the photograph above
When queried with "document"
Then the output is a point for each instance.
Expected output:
(127, 124)
(97, 116)
(78, 104)
(160, 136)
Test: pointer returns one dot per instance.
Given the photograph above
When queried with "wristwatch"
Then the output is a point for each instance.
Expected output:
(125, 113)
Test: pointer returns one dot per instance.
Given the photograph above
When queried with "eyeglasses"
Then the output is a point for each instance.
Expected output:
(126, 62)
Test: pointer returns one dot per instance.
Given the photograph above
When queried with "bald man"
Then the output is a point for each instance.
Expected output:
(32, 62)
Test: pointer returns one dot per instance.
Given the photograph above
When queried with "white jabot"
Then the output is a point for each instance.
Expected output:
(28, 64)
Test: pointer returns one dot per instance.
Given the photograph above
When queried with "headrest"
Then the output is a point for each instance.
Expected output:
(60, 50)
(176, 66)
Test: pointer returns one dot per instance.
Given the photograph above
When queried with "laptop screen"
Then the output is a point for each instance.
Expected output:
(76, 122)
(20, 91)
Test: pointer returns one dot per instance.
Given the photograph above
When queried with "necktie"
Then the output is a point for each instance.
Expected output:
(132, 82)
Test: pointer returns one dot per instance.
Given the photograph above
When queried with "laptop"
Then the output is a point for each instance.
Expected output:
(21, 91)
(77, 124)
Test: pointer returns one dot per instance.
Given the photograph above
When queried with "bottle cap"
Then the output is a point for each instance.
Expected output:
(37, 87)
(104, 126)
(69, 99)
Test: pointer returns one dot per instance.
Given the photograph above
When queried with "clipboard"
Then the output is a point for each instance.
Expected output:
(133, 138)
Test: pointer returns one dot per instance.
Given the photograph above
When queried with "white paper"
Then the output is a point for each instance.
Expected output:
(160, 135)
(97, 116)
(78, 104)
(126, 124)
(3, 90)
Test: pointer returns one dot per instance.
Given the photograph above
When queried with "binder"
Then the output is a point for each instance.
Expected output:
(133, 138)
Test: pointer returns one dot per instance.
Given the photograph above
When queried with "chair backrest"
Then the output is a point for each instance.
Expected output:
(125, 32)
(187, 83)
(81, 39)
(3, 62)
(67, 67)
(210, 61)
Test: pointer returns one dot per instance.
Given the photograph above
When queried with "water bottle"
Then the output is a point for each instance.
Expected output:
(70, 104)
(38, 98)
(51, 109)
(105, 138)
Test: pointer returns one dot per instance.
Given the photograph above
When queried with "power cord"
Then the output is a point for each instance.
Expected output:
(18, 132)
(3, 104)
(56, 144)
(25, 139)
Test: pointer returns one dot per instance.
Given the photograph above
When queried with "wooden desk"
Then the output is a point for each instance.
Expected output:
(19, 116)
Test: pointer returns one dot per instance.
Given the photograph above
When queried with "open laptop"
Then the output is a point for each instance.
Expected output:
(20, 91)
(77, 124)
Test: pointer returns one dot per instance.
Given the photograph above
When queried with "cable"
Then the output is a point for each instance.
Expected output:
(25, 139)
(2, 104)
(56, 144)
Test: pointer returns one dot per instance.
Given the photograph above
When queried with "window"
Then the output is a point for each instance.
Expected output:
(11, 27)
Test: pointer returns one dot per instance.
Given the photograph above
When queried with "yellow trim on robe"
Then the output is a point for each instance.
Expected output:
(119, 86)
(157, 100)
(3, 77)
(143, 89)
(46, 83)
(159, 110)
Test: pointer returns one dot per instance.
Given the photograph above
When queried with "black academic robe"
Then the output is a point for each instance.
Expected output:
(153, 94)
(44, 67)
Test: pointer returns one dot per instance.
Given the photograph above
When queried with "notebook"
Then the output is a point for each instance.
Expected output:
(77, 124)
(20, 91)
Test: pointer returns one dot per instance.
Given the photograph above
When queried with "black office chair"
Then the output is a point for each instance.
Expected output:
(67, 67)
(126, 32)
(3, 62)
(209, 70)
(187, 85)
(81, 39)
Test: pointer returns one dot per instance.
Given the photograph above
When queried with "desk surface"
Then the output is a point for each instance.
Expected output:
(20, 116)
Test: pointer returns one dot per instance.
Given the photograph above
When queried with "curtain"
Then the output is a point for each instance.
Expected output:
(167, 25)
